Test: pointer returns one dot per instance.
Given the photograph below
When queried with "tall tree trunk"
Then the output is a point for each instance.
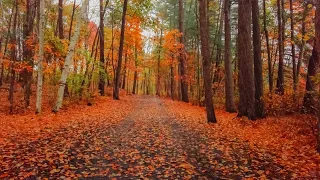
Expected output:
(117, 78)
(268, 46)
(257, 60)
(61, 32)
(217, 77)
(112, 44)
(229, 86)
(246, 74)
(41, 51)
(102, 72)
(198, 53)
(13, 56)
(27, 51)
(158, 70)
(310, 101)
(280, 80)
(303, 42)
(182, 58)
(68, 61)
(205, 49)
(293, 49)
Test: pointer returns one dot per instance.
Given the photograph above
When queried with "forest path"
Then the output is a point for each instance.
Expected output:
(150, 143)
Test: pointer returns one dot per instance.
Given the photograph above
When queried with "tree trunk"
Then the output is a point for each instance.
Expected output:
(303, 42)
(182, 57)
(205, 50)
(27, 51)
(72, 17)
(229, 86)
(159, 58)
(60, 21)
(41, 51)
(117, 78)
(68, 60)
(280, 80)
(293, 49)
(13, 56)
(61, 33)
(257, 60)
(310, 99)
(246, 74)
(102, 64)
(217, 77)
(268, 47)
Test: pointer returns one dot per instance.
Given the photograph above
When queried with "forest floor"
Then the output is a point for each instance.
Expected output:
(151, 138)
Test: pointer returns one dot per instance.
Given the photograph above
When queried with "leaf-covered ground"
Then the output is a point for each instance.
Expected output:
(143, 137)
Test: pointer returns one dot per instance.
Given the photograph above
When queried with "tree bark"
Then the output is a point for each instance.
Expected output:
(268, 47)
(246, 74)
(102, 64)
(72, 17)
(27, 51)
(68, 61)
(182, 58)
(310, 99)
(257, 60)
(303, 42)
(229, 85)
(280, 80)
(40, 59)
(117, 78)
(60, 21)
(218, 39)
(205, 49)
(158, 67)
(13, 56)
(293, 49)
